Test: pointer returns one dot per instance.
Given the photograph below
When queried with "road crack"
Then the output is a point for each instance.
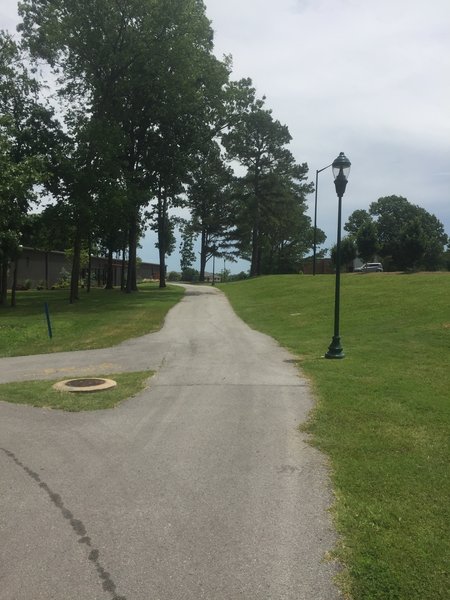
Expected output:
(77, 526)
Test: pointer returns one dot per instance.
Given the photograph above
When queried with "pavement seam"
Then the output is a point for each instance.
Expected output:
(76, 524)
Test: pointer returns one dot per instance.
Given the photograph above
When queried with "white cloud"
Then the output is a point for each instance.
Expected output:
(369, 78)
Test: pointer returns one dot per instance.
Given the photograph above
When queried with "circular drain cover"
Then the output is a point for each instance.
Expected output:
(91, 384)
(84, 382)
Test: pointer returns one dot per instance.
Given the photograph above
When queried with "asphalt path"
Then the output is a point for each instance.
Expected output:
(200, 487)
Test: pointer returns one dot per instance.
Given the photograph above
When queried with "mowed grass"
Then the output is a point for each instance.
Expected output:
(99, 319)
(383, 417)
(42, 395)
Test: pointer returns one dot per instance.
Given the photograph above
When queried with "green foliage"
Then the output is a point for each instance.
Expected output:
(63, 280)
(356, 220)
(147, 93)
(187, 254)
(190, 274)
(167, 232)
(348, 252)
(446, 260)
(173, 276)
(25, 127)
(209, 201)
(382, 417)
(270, 227)
(84, 256)
(367, 241)
(404, 235)
(412, 244)
(145, 106)
(395, 214)
(238, 277)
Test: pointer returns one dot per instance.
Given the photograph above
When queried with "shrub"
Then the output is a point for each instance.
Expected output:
(173, 276)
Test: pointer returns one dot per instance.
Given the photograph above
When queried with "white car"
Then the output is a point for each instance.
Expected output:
(370, 268)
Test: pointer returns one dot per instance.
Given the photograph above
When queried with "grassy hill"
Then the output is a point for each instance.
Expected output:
(383, 417)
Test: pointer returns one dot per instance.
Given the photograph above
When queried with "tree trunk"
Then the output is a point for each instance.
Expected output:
(255, 266)
(162, 209)
(131, 273)
(75, 275)
(255, 252)
(14, 283)
(203, 251)
(3, 282)
(46, 269)
(258, 259)
(109, 271)
(89, 269)
(122, 271)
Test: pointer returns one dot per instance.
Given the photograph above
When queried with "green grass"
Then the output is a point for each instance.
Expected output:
(41, 393)
(99, 319)
(383, 417)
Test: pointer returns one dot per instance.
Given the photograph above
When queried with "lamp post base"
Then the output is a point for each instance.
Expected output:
(335, 349)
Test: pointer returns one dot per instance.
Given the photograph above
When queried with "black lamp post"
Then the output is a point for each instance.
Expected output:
(341, 168)
(315, 217)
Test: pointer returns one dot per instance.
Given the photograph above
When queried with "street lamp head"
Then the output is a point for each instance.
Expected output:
(341, 169)
(341, 163)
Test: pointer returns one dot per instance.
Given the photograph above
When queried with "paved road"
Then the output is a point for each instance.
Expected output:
(199, 488)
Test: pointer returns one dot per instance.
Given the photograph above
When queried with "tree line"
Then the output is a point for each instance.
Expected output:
(141, 118)
(403, 235)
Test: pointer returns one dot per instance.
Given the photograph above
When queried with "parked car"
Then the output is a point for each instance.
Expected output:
(370, 268)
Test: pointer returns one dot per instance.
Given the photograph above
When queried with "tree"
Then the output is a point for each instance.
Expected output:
(391, 214)
(25, 134)
(187, 254)
(259, 143)
(288, 231)
(356, 220)
(396, 221)
(208, 198)
(73, 183)
(367, 241)
(189, 274)
(348, 252)
(49, 230)
(149, 81)
(412, 244)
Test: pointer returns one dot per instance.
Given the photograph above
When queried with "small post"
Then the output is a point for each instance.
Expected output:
(49, 325)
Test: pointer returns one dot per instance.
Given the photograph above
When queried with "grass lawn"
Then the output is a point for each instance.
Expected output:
(383, 417)
(41, 393)
(99, 319)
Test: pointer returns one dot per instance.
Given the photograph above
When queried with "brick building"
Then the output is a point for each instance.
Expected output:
(39, 268)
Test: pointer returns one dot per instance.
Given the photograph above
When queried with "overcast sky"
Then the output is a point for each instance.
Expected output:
(370, 78)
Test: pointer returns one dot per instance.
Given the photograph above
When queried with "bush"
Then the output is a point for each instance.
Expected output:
(240, 276)
(63, 281)
(173, 276)
(190, 274)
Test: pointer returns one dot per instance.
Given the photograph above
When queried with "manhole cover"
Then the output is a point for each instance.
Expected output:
(91, 384)
(85, 382)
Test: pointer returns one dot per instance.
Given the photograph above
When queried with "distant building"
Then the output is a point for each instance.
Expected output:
(209, 277)
(324, 266)
(39, 268)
